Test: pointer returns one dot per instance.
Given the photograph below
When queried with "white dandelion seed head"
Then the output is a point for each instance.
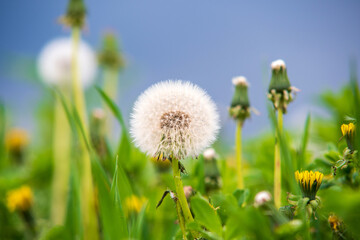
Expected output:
(276, 65)
(209, 154)
(54, 62)
(240, 80)
(174, 118)
(261, 198)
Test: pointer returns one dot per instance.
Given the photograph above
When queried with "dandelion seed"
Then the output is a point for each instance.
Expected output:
(174, 119)
(54, 63)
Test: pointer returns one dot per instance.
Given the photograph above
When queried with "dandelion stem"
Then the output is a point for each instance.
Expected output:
(277, 166)
(239, 170)
(61, 156)
(181, 219)
(110, 87)
(180, 192)
(87, 194)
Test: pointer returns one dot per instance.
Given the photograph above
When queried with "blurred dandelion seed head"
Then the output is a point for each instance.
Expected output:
(20, 199)
(54, 63)
(309, 182)
(174, 119)
(261, 198)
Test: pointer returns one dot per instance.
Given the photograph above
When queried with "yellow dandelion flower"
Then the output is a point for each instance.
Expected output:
(309, 182)
(20, 199)
(134, 204)
(16, 139)
(347, 129)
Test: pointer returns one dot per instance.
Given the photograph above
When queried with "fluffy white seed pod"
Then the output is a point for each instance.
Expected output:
(54, 62)
(261, 198)
(209, 154)
(276, 65)
(174, 119)
(241, 80)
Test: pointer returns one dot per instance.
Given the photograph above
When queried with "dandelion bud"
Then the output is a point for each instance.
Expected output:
(188, 190)
(16, 141)
(309, 183)
(348, 131)
(97, 131)
(75, 14)
(240, 105)
(109, 56)
(209, 154)
(261, 198)
(280, 90)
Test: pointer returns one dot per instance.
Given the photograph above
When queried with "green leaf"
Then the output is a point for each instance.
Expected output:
(205, 215)
(241, 196)
(73, 221)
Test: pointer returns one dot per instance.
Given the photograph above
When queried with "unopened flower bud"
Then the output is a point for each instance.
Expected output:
(240, 105)
(109, 56)
(188, 190)
(209, 154)
(261, 198)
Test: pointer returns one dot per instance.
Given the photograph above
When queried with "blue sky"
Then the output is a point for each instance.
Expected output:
(205, 41)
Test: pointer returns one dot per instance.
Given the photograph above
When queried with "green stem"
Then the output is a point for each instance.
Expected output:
(110, 87)
(87, 191)
(61, 158)
(180, 192)
(181, 219)
(239, 170)
(277, 166)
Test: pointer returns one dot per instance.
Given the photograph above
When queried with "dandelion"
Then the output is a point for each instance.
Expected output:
(134, 204)
(16, 141)
(240, 111)
(280, 93)
(21, 200)
(261, 198)
(174, 120)
(211, 171)
(348, 132)
(309, 183)
(55, 63)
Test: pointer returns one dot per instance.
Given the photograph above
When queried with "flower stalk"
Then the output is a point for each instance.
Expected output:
(239, 168)
(277, 163)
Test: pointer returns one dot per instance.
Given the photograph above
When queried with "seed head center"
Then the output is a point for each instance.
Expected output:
(174, 120)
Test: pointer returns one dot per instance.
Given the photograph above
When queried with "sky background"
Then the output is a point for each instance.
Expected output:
(206, 42)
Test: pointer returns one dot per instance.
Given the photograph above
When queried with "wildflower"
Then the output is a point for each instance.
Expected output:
(54, 63)
(134, 204)
(16, 141)
(280, 90)
(174, 119)
(309, 183)
(240, 105)
(261, 198)
(209, 154)
(20, 199)
(75, 14)
(109, 56)
(348, 131)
